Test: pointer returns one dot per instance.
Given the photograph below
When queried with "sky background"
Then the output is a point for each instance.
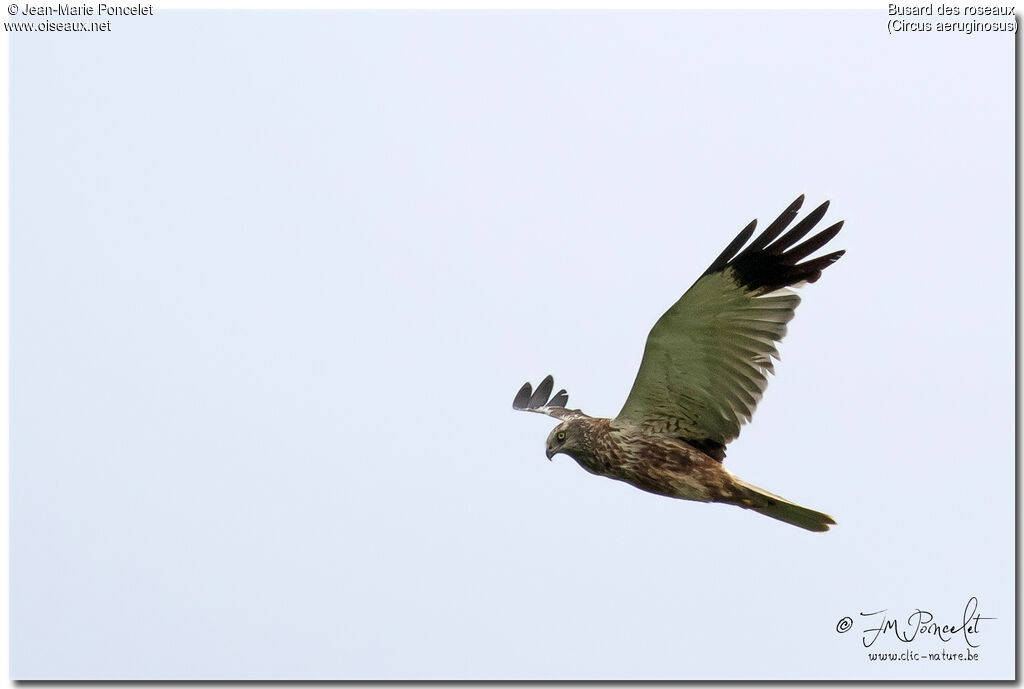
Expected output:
(276, 278)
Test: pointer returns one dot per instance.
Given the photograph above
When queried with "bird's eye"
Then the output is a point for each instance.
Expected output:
(561, 435)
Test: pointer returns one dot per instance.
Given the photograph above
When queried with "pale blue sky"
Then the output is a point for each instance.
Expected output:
(277, 276)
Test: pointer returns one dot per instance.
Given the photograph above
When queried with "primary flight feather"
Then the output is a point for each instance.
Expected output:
(704, 369)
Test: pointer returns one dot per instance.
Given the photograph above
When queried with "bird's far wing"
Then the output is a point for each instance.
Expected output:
(708, 357)
(528, 399)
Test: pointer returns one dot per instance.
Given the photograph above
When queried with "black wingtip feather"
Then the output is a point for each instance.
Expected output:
(802, 228)
(735, 245)
(778, 225)
(813, 244)
(771, 262)
(823, 262)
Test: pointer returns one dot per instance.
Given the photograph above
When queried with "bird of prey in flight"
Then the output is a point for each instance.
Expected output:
(704, 369)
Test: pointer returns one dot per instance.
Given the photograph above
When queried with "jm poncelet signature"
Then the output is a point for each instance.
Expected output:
(919, 623)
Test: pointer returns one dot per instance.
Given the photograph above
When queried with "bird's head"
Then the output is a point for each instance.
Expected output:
(567, 437)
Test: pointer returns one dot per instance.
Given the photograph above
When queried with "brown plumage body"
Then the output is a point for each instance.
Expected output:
(653, 462)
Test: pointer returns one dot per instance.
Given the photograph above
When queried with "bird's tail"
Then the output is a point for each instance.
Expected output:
(754, 498)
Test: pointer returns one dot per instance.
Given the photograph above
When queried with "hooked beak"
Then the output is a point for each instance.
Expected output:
(550, 453)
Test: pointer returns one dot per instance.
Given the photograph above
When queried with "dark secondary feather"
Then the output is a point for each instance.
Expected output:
(540, 397)
(769, 263)
(528, 399)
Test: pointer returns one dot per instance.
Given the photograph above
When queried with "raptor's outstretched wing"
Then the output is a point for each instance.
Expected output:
(708, 357)
(528, 399)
